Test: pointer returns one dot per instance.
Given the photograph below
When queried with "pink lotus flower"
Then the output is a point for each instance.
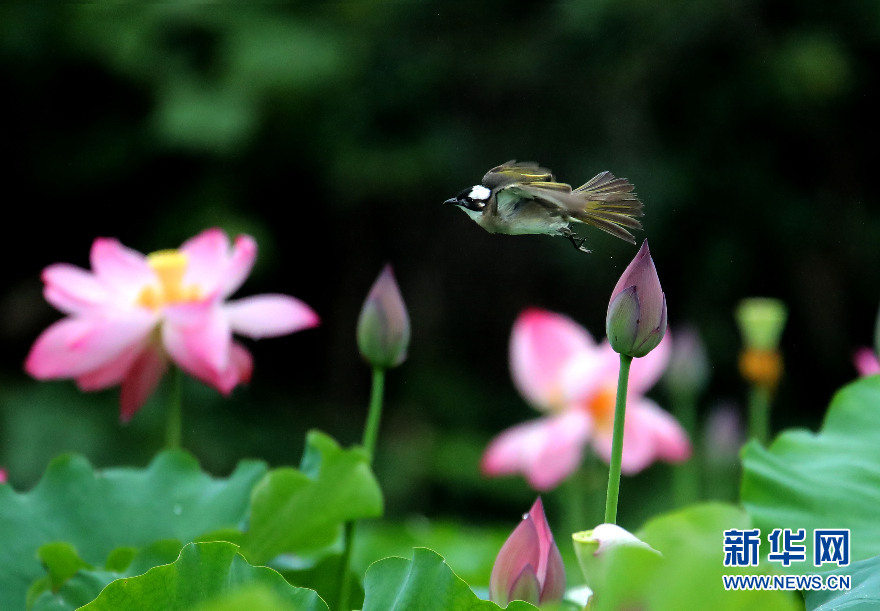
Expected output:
(132, 313)
(560, 370)
(529, 566)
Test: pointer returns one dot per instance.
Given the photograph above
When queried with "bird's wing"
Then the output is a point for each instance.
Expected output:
(606, 202)
(548, 194)
(516, 172)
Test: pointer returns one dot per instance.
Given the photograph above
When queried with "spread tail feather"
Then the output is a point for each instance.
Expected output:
(610, 205)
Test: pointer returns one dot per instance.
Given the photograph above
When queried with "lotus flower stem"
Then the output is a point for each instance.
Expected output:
(345, 562)
(617, 441)
(686, 476)
(374, 415)
(371, 434)
(383, 334)
(759, 413)
(174, 422)
(582, 495)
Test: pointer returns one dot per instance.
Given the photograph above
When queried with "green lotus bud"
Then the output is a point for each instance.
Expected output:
(383, 326)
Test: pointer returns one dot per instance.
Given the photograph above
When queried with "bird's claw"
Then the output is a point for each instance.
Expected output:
(576, 241)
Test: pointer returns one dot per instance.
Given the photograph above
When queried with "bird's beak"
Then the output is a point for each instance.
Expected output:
(451, 200)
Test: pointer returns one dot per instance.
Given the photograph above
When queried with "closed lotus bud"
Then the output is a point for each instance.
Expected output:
(866, 362)
(636, 320)
(529, 566)
(723, 435)
(688, 369)
(383, 326)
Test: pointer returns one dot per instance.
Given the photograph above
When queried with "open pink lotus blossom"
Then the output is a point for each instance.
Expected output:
(563, 372)
(131, 314)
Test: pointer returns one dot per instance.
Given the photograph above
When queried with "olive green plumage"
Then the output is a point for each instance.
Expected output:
(524, 198)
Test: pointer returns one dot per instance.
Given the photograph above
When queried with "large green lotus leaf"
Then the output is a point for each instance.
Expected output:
(426, 583)
(97, 511)
(864, 592)
(205, 574)
(826, 480)
(258, 597)
(688, 576)
(303, 510)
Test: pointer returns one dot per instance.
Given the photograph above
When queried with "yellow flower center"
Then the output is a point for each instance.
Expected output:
(601, 406)
(170, 267)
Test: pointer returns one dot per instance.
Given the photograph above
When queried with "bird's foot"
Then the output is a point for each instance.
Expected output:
(577, 241)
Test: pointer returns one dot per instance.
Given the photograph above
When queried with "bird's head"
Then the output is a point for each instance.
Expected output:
(473, 198)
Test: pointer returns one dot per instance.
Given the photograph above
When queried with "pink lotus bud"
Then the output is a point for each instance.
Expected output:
(383, 326)
(723, 435)
(688, 369)
(636, 320)
(866, 362)
(529, 566)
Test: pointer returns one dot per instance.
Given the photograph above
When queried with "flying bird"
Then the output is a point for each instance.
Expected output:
(518, 198)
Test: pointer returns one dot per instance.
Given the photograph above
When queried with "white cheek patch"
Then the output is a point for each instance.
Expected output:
(480, 193)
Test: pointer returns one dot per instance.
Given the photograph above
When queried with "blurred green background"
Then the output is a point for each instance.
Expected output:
(332, 132)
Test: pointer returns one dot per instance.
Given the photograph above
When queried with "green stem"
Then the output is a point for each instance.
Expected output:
(374, 416)
(575, 492)
(582, 495)
(344, 564)
(759, 413)
(371, 434)
(173, 425)
(686, 476)
(617, 442)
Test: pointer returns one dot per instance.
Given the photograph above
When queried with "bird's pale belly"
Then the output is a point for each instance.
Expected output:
(526, 226)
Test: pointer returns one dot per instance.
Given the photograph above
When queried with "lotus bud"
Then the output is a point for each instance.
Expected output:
(688, 369)
(529, 566)
(636, 319)
(866, 362)
(383, 326)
